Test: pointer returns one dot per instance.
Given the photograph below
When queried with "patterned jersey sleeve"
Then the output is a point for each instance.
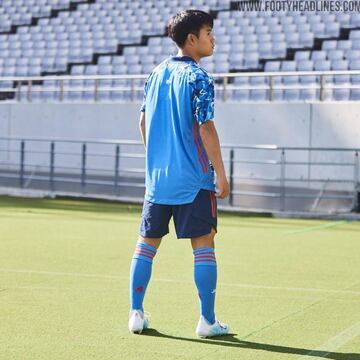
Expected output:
(203, 96)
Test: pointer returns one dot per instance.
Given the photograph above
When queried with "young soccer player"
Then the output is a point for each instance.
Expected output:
(180, 138)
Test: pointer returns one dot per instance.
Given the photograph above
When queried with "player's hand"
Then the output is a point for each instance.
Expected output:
(222, 187)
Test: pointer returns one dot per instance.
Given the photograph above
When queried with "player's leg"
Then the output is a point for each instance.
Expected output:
(198, 221)
(141, 268)
(154, 225)
(205, 241)
(205, 273)
(154, 242)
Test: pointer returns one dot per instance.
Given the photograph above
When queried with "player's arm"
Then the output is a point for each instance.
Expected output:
(142, 127)
(142, 113)
(211, 144)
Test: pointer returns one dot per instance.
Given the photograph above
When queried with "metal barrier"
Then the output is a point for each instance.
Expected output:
(132, 85)
(294, 178)
(261, 177)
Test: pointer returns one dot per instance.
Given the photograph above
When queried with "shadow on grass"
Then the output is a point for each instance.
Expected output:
(231, 341)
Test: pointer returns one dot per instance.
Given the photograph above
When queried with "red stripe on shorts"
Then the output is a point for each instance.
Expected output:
(213, 205)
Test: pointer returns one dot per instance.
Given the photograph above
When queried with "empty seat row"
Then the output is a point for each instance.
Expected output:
(294, 95)
(309, 65)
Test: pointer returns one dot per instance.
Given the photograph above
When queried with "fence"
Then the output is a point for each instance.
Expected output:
(261, 177)
(130, 87)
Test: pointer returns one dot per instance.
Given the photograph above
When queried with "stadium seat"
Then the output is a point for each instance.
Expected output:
(332, 29)
(104, 27)
(236, 61)
(352, 55)
(318, 55)
(322, 65)
(279, 50)
(344, 45)
(265, 51)
(306, 39)
(343, 19)
(355, 19)
(305, 65)
(334, 55)
(271, 66)
(329, 45)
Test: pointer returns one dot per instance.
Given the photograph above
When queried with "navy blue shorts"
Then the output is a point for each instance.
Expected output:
(191, 220)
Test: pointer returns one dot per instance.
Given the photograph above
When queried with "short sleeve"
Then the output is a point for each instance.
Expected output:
(203, 96)
(143, 105)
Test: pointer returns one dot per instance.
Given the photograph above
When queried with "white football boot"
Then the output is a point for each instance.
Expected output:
(138, 321)
(204, 329)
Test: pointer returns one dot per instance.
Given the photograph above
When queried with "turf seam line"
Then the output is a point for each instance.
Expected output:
(298, 312)
(334, 343)
(283, 318)
(316, 228)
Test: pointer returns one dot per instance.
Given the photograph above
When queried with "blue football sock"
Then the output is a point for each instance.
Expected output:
(140, 274)
(205, 275)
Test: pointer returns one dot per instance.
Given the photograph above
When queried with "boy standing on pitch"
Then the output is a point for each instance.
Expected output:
(180, 138)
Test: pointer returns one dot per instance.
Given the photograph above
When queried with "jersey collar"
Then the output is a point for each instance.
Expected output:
(182, 58)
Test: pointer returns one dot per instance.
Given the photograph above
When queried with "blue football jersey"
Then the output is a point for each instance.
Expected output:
(178, 98)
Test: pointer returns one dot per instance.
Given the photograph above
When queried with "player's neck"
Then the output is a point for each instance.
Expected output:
(185, 52)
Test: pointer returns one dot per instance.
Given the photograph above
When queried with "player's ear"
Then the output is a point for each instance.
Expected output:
(191, 39)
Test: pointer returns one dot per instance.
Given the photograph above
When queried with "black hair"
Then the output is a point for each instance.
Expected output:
(187, 22)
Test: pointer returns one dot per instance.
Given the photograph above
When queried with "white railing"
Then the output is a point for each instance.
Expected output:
(133, 84)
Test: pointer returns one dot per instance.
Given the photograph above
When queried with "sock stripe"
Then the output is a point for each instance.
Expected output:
(205, 253)
(144, 251)
(146, 248)
(143, 255)
(202, 250)
(204, 256)
(139, 253)
(139, 249)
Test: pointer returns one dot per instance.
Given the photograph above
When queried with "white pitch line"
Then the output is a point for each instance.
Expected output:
(331, 291)
(56, 273)
(116, 277)
(334, 343)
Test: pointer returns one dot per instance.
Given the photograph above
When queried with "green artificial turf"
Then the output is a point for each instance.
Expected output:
(288, 288)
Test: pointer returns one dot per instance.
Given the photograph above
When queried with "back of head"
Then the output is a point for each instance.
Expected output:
(187, 22)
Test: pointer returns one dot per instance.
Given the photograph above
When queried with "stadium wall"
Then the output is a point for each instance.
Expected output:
(325, 124)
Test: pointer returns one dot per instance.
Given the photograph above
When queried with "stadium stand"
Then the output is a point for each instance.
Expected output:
(104, 37)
